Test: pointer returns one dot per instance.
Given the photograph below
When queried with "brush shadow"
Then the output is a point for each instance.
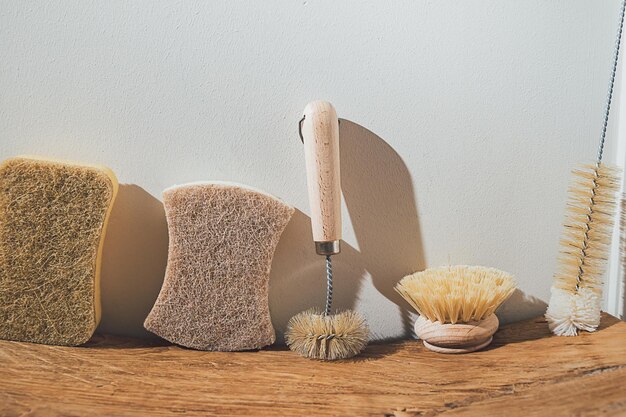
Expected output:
(378, 193)
(607, 321)
(381, 201)
(510, 334)
(107, 341)
(374, 351)
(520, 306)
(537, 328)
(134, 261)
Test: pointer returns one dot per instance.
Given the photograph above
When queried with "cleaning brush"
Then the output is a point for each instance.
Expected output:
(576, 294)
(315, 334)
(577, 288)
(456, 305)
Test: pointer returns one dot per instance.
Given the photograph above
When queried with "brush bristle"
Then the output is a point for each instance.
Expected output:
(452, 294)
(588, 227)
(568, 313)
(338, 336)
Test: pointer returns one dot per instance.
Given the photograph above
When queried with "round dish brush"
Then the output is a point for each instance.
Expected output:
(457, 305)
(314, 334)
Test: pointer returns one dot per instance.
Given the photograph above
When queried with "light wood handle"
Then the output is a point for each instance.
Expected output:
(320, 132)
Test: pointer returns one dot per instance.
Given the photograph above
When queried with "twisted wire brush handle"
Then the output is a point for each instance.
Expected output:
(609, 96)
(319, 131)
(329, 286)
(605, 122)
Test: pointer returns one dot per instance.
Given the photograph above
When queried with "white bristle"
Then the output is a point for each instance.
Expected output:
(585, 244)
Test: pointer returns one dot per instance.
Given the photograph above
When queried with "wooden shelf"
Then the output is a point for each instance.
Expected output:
(525, 372)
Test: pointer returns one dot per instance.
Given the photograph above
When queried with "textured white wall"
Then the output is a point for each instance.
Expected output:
(462, 122)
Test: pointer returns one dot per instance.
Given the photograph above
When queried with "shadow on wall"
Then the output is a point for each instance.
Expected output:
(381, 201)
(298, 277)
(378, 192)
(520, 306)
(134, 260)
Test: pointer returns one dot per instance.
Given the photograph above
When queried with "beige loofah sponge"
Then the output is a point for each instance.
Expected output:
(53, 219)
(215, 292)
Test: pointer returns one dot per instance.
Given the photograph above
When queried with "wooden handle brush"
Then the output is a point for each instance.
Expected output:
(313, 334)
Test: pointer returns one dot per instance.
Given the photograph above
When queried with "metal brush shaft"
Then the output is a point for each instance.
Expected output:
(607, 110)
(609, 96)
(329, 286)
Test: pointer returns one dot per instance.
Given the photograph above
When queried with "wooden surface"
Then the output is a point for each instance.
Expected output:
(524, 372)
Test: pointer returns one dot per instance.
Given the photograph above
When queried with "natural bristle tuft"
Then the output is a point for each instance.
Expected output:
(452, 294)
(583, 258)
(585, 245)
(337, 336)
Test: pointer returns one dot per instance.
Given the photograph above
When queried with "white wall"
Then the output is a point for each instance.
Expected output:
(462, 122)
(616, 279)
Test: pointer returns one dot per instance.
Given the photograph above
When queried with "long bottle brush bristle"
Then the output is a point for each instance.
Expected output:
(577, 288)
(585, 244)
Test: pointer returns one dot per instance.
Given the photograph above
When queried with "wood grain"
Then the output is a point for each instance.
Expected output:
(320, 131)
(458, 337)
(525, 372)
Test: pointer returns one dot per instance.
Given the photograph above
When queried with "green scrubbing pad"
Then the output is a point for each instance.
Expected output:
(53, 219)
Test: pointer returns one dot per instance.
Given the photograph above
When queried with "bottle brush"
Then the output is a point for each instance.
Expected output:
(577, 287)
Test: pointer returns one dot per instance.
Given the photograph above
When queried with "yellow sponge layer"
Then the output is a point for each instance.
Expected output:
(53, 219)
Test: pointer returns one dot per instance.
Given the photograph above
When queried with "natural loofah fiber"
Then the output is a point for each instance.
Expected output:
(53, 218)
(215, 292)
(337, 336)
(577, 288)
(461, 293)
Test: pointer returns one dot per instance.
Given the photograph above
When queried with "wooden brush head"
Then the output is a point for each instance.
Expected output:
(456, 338)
